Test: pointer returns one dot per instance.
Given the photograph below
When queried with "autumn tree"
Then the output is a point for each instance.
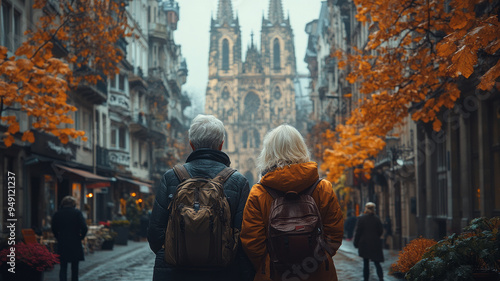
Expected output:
(36, 82)
(319, 138)
(417, 53)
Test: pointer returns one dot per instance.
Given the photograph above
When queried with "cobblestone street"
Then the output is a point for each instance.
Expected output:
(135, 262)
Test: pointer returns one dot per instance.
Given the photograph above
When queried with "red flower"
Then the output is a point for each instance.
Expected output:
(34, 255)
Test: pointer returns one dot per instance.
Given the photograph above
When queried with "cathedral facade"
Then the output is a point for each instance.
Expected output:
(253, 96)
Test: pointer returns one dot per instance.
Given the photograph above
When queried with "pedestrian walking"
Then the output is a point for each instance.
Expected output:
(292, 223)
(69, 228)
(367, 239)
(194, 229)
(350, 224)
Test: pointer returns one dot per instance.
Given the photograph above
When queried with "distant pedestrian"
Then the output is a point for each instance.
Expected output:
(199, 240)
(69, 228)
(281, 249)
(387, 232)
(367, 239)
(350, 224)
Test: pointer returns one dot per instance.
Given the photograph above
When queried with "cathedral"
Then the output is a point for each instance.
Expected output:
(254, 95)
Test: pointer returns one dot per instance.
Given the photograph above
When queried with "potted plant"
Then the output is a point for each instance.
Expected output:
(108, 237)
(472, 255)
(121, 227)
(30, 261)
(410, 255)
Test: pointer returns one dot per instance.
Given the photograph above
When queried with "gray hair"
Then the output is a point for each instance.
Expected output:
(68, 201)
(206, 131)
(283, 146)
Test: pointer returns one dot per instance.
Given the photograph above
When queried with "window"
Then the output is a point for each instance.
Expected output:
(225, 54)
(87, 127)
(252, 104)
(122, 137)
(442, 183)
(112, 81)
(276, 54)
(104, 131)
(121, 81)
(114, 133)
(6, 23)
(17, 30)
(11, 33)
(98, 128)
(225, 94)
(277, 93)
(119, 138)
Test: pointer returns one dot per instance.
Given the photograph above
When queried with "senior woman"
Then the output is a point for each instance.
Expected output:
(285, 166)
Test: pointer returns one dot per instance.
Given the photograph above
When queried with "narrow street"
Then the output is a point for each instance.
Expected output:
(135, 262)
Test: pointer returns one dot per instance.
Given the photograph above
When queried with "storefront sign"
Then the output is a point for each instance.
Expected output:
(49, 145)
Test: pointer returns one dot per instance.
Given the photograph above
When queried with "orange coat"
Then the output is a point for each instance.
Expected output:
(297, 178)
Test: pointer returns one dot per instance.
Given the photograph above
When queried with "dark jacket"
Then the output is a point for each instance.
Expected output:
(201, 163)
(69, 228)
(367, 237)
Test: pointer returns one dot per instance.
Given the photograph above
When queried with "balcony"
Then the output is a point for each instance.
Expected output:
(102, 155)
(139, 123)
(119, 103)
(157, 126)
(157, 30)
(119, 157)
(93, 93)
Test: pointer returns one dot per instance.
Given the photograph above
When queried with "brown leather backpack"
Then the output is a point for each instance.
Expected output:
(199, 234)
(295, 230)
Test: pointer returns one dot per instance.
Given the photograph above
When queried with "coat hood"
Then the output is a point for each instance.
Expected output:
(295, 177)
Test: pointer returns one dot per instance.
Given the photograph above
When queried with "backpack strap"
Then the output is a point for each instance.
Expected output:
(309, 191)
(223, 175)
(181, 172)
(273, 192)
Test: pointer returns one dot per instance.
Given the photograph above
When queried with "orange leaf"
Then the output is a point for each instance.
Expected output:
(436, 125)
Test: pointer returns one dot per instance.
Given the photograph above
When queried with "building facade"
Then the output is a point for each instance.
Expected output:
(254, 95)
(425, 183)
(132, 121)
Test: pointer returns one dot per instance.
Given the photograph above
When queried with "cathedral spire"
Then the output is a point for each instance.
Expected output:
(225, 12)
(275, 11)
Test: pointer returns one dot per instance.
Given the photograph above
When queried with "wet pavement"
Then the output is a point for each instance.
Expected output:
(135, 261)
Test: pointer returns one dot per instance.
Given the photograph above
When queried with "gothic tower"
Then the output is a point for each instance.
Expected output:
(252, 96)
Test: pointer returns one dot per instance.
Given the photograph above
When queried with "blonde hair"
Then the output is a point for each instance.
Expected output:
(284, 145)
(370, 208)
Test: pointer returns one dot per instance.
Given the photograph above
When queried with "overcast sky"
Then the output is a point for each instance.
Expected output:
(194, 26)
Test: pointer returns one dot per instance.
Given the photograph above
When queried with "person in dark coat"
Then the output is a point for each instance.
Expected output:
(206, 136)
(367, 235)
(69, 228)
(350, 224)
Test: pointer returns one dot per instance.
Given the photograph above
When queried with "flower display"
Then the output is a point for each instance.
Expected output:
(410, 255)
(34, 255)
(462, 256)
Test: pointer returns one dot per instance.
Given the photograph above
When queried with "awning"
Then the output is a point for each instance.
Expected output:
(84, 174)
(101, 184)
(143, 186)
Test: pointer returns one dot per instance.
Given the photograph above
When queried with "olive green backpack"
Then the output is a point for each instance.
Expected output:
(199, 234)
